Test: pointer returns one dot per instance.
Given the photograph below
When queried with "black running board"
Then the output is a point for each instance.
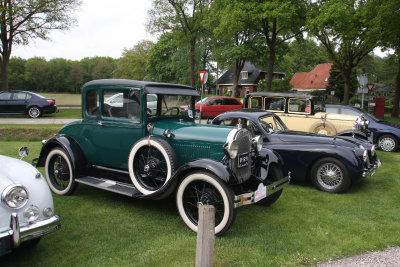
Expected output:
(109, 185)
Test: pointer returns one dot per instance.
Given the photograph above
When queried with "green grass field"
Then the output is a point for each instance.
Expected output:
(304, 227)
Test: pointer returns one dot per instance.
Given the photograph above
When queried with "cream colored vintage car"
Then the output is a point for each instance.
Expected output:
(302, 112)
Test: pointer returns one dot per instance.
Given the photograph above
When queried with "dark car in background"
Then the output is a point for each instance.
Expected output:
(385, 134)
(214, 105)
(331, 163)
(24, 102)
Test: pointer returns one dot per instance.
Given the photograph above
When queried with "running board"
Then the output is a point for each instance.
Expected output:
(109, 185)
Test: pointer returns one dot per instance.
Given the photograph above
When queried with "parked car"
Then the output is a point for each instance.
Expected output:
(23, 102)
(129, 151)
(302, 112)
(215, 105)
(116, 100)
(331, 163)
(385, 134)
(26, 210)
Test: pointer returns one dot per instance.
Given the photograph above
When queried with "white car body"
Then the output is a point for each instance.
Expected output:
(34, 216)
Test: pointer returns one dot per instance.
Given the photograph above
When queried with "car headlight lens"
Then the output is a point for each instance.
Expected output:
(31, 214)
(373, 150)
(15, 196)
(258, 142)
(232, 149)
(365, 156)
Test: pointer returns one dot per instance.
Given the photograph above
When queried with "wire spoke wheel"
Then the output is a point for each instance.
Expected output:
(150, 168)
(152, 162)
(205, 189)
(330, 175)
(59, 174)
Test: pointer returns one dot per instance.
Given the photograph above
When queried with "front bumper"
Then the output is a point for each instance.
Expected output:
(12, 237)
(371, 170)
(261, 193)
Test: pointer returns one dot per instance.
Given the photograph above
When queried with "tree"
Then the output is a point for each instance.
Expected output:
(346, 31)
(336, 83)
(276, 20)
(388, 18)
(16, 74)
(36, 74)
(302, 56)
(22, 21)
(132, 64)
(75, 77)
(184, 19)
(233, 44)
(58, 70)
(167, 61)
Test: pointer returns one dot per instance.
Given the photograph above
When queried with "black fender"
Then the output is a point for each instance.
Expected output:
(212, 166)
(215, 167)
(263, 160)
(74, 151)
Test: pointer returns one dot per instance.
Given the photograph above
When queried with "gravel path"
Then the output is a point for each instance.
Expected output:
(388, 257)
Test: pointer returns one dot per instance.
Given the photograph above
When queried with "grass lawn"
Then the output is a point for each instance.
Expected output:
(65, 99)
(304, 227)
(62, 114)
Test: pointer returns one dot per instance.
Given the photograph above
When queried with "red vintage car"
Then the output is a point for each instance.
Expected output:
(215, 105)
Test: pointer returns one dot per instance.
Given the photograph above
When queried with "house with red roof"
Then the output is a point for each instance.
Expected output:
(317, 79)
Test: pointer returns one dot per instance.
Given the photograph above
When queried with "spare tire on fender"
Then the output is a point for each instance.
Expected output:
(323, 127)
(151, 164)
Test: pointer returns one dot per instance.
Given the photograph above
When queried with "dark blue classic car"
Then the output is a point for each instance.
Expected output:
(385, 134)
(331, 163)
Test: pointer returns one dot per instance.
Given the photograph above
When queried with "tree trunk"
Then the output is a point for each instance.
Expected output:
(270, 68)
(238, 69)
(192, 61)
(4, 74)
(396, 97)
(346, 78)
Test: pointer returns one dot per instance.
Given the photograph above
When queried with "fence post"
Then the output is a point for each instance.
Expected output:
(205, 236)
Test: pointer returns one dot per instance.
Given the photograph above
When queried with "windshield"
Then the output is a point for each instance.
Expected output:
(175, 105)
(271, 124)
(202, 101)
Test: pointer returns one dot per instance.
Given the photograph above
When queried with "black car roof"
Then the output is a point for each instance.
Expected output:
(273, 94)
(148, 87)
(247, 113)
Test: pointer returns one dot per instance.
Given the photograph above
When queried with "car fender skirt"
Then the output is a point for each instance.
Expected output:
(71, 147)
(215, 167)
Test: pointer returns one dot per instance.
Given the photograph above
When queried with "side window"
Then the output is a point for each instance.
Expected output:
(5, 96)
(92, 103)
(255, 102)
(299, 105)
(19, 96)
(275, 103)
(332, 110)
(121, 104)
(230, 102)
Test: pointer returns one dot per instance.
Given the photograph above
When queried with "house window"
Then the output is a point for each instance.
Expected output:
(245, 75)
(247, 89)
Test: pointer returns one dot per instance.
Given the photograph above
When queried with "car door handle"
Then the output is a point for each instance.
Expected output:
(99, 123)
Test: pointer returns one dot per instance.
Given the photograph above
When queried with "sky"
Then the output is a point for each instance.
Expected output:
(104, 28)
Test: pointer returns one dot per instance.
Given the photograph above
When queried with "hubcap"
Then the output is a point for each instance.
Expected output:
(386, 144)
(329, 175)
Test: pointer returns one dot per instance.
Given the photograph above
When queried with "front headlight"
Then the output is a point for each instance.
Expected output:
(258, 142)
(373, 150)
(365, 156)
(15, 196)
(232, 149)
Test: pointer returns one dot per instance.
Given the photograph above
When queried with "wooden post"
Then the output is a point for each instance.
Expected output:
(205, 236)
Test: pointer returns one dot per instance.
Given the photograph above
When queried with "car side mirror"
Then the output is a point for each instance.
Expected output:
(23, 152)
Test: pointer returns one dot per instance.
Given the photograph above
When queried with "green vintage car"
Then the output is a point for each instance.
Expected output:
(147, 146)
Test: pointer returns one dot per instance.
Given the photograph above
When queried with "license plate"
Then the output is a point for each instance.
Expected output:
(243, 160)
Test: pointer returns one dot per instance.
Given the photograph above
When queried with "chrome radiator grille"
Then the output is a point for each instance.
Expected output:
(241, 165)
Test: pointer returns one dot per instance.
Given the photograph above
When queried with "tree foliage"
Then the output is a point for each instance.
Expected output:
(22, 21)
(132, 64)
(346, 31)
